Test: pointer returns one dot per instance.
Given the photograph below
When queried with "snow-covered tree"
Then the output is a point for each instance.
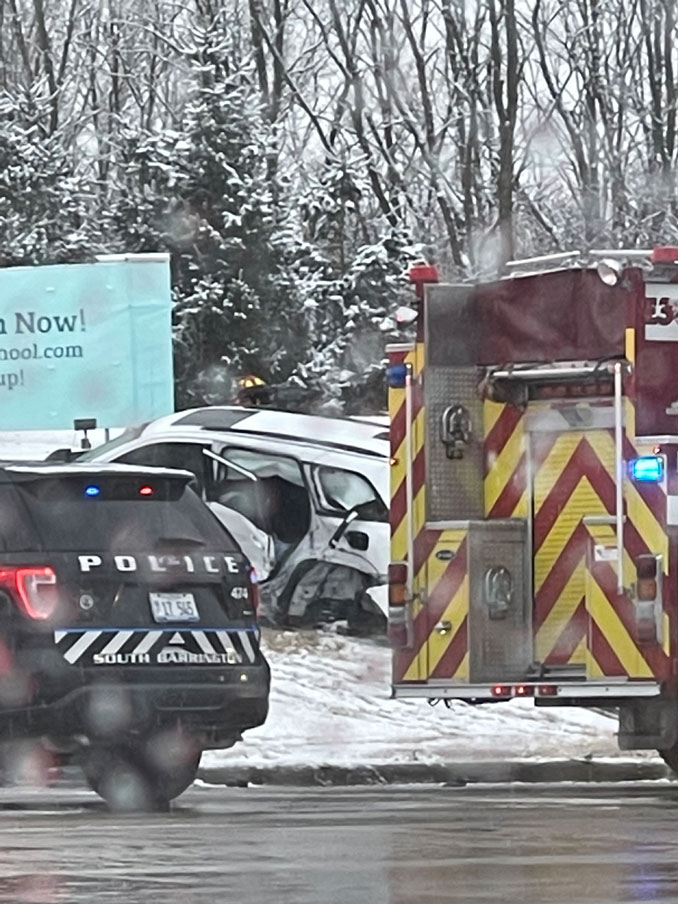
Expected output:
(205, 194)
(351, 279)
(44, 210)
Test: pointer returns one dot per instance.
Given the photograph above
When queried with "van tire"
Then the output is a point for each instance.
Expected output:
(359, 611)
(282, 607)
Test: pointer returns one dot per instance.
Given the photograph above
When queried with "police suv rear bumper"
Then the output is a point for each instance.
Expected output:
(214, 707)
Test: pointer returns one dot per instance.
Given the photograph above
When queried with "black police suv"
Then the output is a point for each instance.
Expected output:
(128, 635)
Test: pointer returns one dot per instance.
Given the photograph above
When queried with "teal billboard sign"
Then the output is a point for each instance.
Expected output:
(86, 341)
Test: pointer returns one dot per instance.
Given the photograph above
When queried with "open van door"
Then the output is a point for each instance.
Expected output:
(354, 520)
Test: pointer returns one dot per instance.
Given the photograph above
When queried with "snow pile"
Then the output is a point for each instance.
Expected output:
(330, 706)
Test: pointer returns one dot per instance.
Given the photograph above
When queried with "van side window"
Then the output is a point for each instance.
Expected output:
(342, 491)
(184, 456)
(268, 490)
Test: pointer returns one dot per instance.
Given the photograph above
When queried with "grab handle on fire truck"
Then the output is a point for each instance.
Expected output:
(455, 430)
(409, 494)
(498, 591)
(619, 473)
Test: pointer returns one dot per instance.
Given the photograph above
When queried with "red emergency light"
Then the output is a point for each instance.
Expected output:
(420, 274)
(666, 254)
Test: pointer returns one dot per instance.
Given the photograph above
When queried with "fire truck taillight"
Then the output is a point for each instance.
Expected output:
(399, 623)
(646, 574)
(648, 599)
(397, 584)
(548, 690)
(507, 691)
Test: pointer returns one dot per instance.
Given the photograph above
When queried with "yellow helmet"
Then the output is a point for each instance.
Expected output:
(250, 381)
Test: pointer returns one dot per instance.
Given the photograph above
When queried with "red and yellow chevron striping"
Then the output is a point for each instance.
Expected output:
(440, 584)
(571, 483)
(564, 482)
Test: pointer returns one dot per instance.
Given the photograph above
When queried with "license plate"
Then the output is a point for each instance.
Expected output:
(173, 607)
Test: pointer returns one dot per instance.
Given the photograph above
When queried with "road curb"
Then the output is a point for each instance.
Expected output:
(477, 772)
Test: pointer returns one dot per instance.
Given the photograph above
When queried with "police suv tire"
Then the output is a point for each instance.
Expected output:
(127, 781)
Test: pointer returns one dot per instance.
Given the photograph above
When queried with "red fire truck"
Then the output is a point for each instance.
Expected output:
(534, 492)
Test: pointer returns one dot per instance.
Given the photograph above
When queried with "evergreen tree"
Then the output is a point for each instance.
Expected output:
(43, 199)
(236, 310)
(351, 280)
(205, 195)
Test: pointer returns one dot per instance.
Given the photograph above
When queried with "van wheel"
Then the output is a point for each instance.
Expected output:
(319, 593)
(128, 779)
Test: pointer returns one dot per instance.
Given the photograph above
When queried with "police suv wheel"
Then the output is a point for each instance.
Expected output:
(129, 778)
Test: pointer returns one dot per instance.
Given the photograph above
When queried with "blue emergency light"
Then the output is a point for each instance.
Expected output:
(92, 490)
(396, 374)
(649, 468)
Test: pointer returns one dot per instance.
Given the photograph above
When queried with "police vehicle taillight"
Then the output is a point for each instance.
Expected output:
(32, 589)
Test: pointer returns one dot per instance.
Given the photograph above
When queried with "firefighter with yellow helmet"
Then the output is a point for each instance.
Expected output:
(252, 390)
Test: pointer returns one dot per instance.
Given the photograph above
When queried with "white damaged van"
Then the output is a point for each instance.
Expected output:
(305, 497)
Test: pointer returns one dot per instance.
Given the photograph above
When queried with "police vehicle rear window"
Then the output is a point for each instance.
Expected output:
(114, 513)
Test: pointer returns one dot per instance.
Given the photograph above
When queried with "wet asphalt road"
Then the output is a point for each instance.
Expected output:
(534, 845)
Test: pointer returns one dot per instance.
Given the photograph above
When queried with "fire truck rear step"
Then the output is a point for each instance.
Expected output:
(544, 689)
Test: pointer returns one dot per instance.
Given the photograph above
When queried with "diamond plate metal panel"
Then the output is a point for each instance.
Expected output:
(500, 642)
(454, 487)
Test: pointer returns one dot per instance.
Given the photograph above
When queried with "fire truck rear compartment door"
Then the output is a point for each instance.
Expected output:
(500, 630)
(572, 478)
(444, 654)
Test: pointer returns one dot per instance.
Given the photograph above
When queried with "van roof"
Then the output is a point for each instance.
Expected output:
(342, 434)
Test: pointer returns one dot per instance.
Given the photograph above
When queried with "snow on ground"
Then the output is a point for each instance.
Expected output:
(330, 706)
(330, 699)
(37, 444)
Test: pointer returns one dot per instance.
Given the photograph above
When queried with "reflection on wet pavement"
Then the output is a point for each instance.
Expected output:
(540, 845)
